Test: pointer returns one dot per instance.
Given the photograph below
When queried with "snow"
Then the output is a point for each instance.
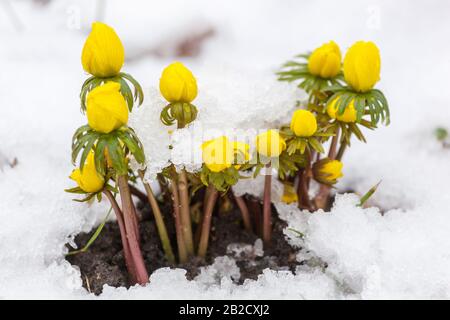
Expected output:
(400, 251)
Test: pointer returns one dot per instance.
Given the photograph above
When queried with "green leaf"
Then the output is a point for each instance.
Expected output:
(316, 145)
(86, 150)
(99, 156)
(93, 237)
(117, 156)
(368, 194)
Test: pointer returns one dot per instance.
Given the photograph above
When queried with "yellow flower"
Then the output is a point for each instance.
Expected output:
(88, 179)
(349, 114)
(327, 171)
(178, 84)
(106, 108)
(103, 53)
(289, 194)
(362, 66)
(303, 123)
(333, 169)
(241, 151)
(325, 61)
(217, 154)
(270, 143)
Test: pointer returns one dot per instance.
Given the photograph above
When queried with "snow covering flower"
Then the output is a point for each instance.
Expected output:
(327, 171)
(362, 66)
(349, 114)
(270, 143)
(178, 84)
(88, 179)
(303, 123)
(103, 53)
(217, 154)
(325, 61)
(106, 108)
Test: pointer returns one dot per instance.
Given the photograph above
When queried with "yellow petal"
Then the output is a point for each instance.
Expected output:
(88, 179)
(106, 108)
(349, 114)
(217, 154)
(103, 54)
(178, 84)
(270, 143)
(332, 169)
(362, 65)
(303, 123)
(325, 61)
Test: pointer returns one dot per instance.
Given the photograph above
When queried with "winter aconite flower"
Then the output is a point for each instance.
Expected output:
(270, 143)
(289, 194)
(217, 154)
(362, 66)
(303, 123)
(349, 114)
(88, 179)
(327, 171)
(325, 61)
(106, 108)
(103, 53)
(178, 84)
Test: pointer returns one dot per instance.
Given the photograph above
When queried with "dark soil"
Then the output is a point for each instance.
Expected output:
(103, 263)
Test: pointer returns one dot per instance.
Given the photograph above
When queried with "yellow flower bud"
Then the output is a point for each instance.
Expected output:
(241, 151)
(289, 194)
(349, 114)
(88, 179)
(270, 143)
(103, 53)
(178, 84)
(303, 123)
(217, 154)
(362, 66)
(325, 61)
(327, 171)
(106, 108)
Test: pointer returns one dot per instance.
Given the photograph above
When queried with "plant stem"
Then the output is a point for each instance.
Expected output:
(341, 151)
(244, 211)
(267, 210)
(321, 199)
(333, 146)
(130, 222)
(304, 202)
(185, 212)
(255, 209)
(163, 235)
(138, 193)
(123, 235)
(206, 223)
(182, 253)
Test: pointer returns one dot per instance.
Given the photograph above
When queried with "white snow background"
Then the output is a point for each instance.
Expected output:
(404, 253)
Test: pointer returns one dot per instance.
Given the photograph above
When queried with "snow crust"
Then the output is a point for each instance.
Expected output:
(402, 251)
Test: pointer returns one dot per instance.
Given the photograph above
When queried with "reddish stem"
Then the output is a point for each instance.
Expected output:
(245, 213)
(321, 199)
(255, 208)
(126, 248)
(131, 227)
(267, 210)
(182, 252)
(206, 223)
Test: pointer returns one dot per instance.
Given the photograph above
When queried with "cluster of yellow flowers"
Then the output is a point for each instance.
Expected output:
(106, 142)
(341, 94)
